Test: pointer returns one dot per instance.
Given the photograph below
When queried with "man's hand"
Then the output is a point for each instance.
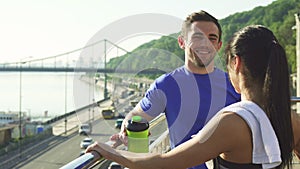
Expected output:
(119, 138)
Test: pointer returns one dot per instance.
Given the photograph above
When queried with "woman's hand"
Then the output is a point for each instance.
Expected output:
(102, 149)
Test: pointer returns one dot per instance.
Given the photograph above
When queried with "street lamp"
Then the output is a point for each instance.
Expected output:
(66, 96)
(20, 105)
(89, 97)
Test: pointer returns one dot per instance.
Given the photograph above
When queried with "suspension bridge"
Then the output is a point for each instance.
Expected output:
(90, 58)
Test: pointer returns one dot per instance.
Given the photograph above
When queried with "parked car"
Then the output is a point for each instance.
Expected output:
(118, 123)
(86, 142)
(114, 165)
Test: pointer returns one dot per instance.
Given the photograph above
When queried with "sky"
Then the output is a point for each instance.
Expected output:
(42, 28)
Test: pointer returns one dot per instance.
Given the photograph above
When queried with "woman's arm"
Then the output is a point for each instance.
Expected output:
(223, 134)
(226, 134)
(125, 158)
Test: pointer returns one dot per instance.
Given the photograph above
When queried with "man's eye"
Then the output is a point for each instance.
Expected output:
(213, 39)
(197, 37)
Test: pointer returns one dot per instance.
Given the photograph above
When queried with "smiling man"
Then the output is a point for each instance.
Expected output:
(191, 94)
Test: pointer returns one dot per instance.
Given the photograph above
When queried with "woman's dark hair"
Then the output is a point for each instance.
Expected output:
(265, 67)
(199, 16)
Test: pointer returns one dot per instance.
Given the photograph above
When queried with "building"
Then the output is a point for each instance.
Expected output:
(8, 118)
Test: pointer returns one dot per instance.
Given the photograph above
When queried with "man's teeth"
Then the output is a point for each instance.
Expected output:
(202, 51)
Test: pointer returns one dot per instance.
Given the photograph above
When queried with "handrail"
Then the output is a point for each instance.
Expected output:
(84, 161)
(295, 99)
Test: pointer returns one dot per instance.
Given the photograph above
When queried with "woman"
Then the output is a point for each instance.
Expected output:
(254, 133)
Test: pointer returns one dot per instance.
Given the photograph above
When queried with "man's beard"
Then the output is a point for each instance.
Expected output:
(200, 63)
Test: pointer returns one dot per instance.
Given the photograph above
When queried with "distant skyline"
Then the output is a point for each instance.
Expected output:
(42, 28)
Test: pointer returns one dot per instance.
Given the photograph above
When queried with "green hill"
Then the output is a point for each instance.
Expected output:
(165, 52)
(278, 16)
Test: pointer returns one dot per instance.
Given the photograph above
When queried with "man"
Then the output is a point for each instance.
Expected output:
(190, 95)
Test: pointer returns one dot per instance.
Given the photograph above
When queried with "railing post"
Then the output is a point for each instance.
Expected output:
(298, 58)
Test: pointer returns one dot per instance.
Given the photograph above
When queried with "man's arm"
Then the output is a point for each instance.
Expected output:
(121, 138)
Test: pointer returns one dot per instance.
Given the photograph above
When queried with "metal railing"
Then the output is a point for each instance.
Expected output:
(295, 99)
(161, 144)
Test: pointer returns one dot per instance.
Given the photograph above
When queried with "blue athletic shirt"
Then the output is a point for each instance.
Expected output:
(188, 100)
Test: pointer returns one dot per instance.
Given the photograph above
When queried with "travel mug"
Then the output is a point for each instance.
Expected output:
(137, 130)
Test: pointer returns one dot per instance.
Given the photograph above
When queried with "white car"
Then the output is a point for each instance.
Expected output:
(85, 129)
(86, 142)
(115, 165)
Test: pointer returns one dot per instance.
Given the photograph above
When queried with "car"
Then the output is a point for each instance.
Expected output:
(81, 153)
(108, 112)
(84, 129)
(118, 123)
(86, 142)
(114, 165)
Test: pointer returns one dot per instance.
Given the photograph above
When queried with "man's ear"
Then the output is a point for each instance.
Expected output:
(220, 45)
(181, 42)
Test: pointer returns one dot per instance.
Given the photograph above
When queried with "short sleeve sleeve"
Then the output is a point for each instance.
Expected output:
(154, 101)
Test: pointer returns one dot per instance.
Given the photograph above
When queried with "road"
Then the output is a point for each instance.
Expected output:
(67, 151)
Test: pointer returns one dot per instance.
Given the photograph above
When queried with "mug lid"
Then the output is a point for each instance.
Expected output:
(137, 123)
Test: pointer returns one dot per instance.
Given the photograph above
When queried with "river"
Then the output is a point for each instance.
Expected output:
(45, 92)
